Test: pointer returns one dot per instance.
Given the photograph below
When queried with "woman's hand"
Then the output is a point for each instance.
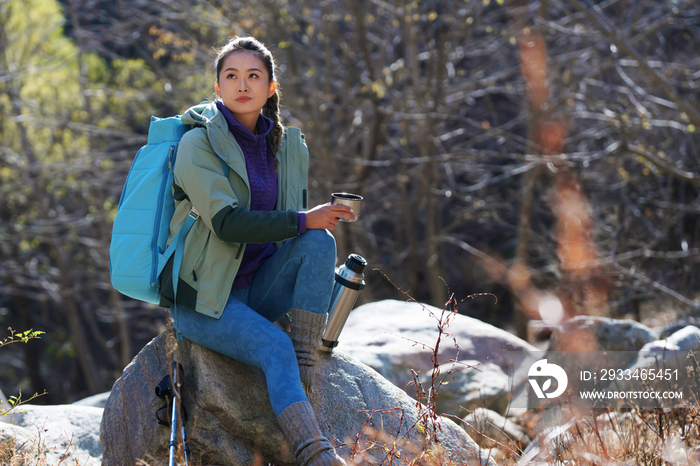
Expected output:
(327, 216)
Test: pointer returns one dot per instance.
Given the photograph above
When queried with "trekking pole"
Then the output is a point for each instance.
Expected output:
(174, 421)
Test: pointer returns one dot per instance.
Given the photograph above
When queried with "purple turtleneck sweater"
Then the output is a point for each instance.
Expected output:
(262, 176)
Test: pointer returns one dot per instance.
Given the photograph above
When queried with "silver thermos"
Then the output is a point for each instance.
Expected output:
(349, 281)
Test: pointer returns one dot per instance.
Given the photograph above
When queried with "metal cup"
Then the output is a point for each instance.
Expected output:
(353, 201)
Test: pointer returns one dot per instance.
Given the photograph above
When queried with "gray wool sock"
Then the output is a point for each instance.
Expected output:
(301, 428)
(307, 330)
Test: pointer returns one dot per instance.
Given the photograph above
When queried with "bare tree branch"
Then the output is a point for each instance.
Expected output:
(608, 31)
(658, 286)
(664, 165)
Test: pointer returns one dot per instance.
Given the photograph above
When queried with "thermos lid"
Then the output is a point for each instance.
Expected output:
(356, 263)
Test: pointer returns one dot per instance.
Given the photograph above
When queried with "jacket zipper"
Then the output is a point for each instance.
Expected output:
(283, 185)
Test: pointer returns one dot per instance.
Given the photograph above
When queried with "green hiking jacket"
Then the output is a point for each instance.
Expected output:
(214, 246)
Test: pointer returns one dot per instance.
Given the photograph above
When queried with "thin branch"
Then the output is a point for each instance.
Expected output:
(471, 250)
(664, 165)
(654, 284)
(601, 23)
(668, 255)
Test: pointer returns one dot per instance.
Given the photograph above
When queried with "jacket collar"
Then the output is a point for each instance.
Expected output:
(208, 115)
(245, 138)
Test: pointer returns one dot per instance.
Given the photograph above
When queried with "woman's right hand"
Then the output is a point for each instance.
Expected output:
(327, 216)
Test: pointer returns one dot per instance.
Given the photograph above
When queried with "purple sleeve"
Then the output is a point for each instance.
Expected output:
(302, 223)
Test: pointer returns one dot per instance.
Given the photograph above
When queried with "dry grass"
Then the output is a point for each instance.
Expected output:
(14, 454)
(33, 452)
(648, 438)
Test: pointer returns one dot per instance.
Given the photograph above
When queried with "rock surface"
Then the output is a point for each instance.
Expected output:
(230, 417)
(669, 358)
(672, 327)
(593, 333)
(468, 385)
(66, 434)
(685, 339)
(392, 337)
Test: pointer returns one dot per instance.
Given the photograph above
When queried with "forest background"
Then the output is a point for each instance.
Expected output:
(545, 152)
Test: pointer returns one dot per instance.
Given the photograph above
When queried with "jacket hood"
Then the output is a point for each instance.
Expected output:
(222, 141)
(201, 114)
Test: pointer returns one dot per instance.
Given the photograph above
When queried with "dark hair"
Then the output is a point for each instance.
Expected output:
(271, 108)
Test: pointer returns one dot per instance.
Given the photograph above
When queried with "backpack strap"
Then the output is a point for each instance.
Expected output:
(179, 249)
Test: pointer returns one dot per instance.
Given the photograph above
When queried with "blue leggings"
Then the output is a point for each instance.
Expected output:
(300, 275)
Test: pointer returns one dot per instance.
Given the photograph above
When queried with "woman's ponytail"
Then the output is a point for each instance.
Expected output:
(272, 111)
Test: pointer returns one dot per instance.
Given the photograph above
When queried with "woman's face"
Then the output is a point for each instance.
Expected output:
(244, 85)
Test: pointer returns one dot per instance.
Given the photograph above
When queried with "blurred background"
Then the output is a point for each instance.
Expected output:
(545, 152)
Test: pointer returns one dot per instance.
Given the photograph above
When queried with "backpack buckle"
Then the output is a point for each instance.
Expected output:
(193, 213)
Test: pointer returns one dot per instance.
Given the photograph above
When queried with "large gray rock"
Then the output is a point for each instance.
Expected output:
(669, 358)
(685, 339)
(670, 328)
(468, 385)
(393, 337)
(230, 417)
(53, 434)
(594, 333)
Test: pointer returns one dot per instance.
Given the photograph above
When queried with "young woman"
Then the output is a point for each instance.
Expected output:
(255, 251)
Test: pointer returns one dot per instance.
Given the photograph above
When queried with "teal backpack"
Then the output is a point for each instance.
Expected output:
(138, 253)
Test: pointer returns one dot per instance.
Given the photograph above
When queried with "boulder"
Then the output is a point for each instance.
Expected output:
(669, 358)
(672, 327)
(686, 339)
(491, 430)
(230, 419)
(467, 385)
(594, 333)
(65, 434)
(394, 337)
